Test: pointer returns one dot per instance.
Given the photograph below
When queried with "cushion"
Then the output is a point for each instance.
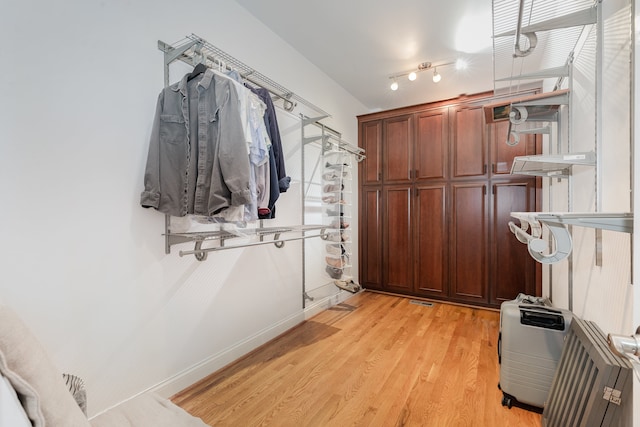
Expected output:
(147, 410)
(12, 413)
(27, 366)
(26, 394)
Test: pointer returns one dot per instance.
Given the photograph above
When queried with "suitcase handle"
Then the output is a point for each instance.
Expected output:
(548, 319)
(499, 348)
(539, 308)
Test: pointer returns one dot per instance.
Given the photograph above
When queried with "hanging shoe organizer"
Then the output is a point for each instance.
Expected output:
(332, 173)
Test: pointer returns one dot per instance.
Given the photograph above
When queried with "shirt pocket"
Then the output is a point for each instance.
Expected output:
(173, 129)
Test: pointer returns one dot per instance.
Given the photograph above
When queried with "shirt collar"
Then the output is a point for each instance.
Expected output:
(205, 82)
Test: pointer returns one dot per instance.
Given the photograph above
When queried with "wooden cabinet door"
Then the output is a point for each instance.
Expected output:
(432, 140)
(431, 240)
(371, 141)
(397, 251)
(469, 242)
(397, 149)
(513, 270)
(468, 142)
(502, 154)
(370, 240)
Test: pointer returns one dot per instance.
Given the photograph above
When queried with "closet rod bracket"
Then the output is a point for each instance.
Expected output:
(172, 53)
(312, 120)
(200, 255)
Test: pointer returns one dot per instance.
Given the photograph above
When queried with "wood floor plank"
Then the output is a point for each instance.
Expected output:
(374, 360)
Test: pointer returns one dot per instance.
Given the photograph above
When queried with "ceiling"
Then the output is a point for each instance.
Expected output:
(360, 44)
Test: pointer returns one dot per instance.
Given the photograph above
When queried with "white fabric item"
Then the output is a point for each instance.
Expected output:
(147, 410)
(12, 413)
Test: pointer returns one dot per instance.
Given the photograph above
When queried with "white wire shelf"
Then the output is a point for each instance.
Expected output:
(551, 165)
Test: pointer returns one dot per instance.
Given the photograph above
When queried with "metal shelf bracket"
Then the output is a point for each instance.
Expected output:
(557, 223)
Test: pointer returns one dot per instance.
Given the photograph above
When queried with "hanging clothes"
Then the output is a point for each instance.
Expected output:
(278, 180)
(252, 111)
(197, 161)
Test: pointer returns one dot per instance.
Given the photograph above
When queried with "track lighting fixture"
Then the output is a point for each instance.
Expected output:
(436, 77)
(412, 75)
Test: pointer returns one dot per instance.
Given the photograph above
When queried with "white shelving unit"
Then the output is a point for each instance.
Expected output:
(569, 30)
(552, 165)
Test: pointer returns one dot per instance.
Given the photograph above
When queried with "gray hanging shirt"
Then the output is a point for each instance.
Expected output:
(198, 161)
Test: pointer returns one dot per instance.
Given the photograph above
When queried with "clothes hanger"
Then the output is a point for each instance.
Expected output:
(197, 70)
(200, 67)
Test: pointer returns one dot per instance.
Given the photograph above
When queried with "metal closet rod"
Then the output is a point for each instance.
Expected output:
(189, 48)
(200, 237)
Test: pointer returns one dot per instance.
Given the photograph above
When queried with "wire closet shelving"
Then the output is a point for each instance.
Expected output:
(193, 50)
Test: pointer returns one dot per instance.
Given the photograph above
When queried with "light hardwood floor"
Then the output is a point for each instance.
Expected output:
(374, 360)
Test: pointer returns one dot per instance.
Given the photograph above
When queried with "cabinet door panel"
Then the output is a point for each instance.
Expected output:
(469, 149)
(502, 154)
(397, 146)
(370, 241)
(431, 240)
(431, 144)
(469, 242)
(513, 269)
(398, 239)
(371, 141)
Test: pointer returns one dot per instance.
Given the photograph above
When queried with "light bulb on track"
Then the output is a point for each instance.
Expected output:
(436, 76)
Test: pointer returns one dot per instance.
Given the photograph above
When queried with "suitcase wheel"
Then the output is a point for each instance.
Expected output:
(507, 400)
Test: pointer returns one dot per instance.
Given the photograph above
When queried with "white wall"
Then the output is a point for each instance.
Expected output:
(636, 203)
(602, 293)
(81, 261)
(605, 189)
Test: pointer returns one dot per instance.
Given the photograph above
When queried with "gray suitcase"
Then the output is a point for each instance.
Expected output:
(532, 334)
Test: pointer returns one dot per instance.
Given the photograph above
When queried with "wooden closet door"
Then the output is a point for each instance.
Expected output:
(370, 240)
(469, 148)
(398, 253)
(469, 242)
(513, 269)
(397, 148)
(371, 141)
(432, 140)
(431, 240)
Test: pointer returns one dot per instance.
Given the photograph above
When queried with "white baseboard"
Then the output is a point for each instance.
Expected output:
(316, 307)
(190, 376)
